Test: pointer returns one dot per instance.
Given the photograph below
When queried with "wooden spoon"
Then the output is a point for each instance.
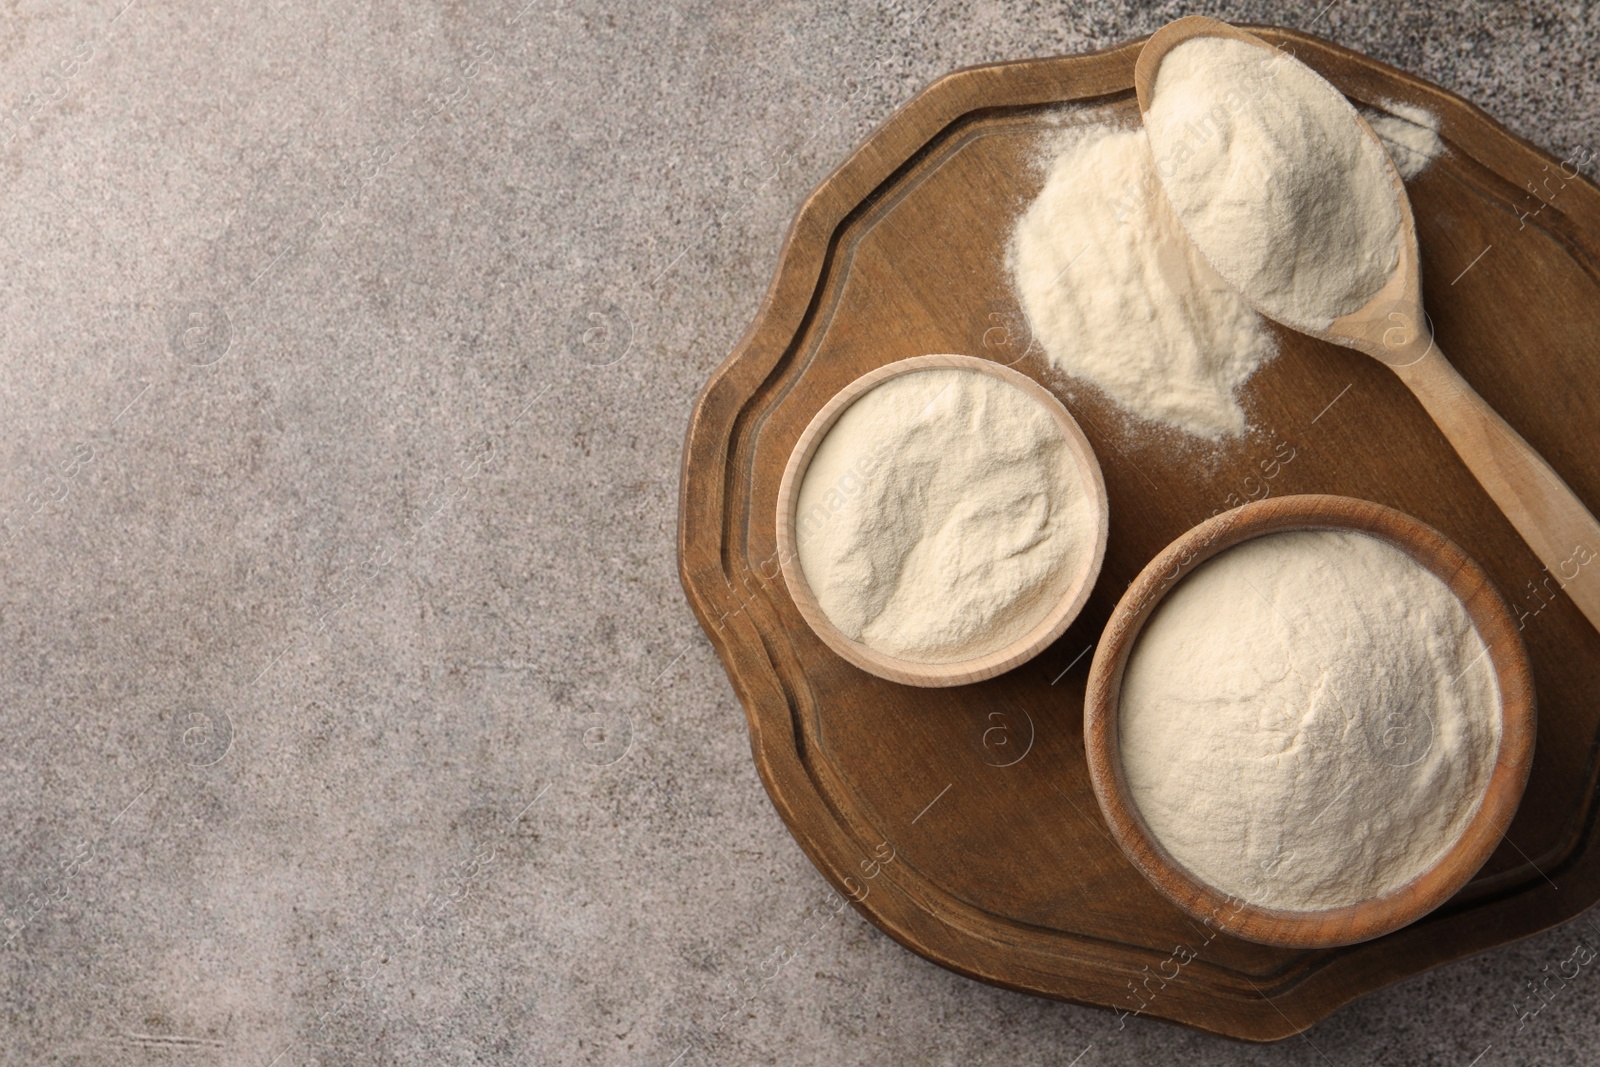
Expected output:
(1393, 328)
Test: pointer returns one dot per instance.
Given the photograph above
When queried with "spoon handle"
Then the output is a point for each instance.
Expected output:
(1549, 516)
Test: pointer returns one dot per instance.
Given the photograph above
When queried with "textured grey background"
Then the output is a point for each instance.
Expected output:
(351, 711)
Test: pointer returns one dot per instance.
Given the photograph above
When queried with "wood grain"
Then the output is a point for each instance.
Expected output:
(1004, 869)
(976, 668)
(1508, 657)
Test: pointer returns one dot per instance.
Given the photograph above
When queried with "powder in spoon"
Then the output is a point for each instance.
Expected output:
(1309, 720)
(1272, 176)
(942, 516)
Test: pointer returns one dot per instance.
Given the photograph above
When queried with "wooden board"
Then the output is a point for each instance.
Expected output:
(961, 819)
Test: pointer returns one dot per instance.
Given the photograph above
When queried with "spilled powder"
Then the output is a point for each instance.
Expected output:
(1119, 298)
(1410, 135)
(943, 516)
(1309, 720)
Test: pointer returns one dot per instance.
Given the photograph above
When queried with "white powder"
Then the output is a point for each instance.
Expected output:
(1273, 178)
(1410, 135)
(1118, 296)
(942, 517)
(1309, 720)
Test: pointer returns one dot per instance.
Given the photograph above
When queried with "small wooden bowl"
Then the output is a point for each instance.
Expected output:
(1370, 918)
(961, 672)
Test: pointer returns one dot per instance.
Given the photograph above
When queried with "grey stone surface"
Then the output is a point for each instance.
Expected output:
(351, 711)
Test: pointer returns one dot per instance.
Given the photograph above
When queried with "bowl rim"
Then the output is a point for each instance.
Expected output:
(958, 672)
(1399, 907)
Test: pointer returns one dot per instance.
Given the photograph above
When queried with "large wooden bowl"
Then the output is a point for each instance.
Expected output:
(959, 672)
(1370, 918)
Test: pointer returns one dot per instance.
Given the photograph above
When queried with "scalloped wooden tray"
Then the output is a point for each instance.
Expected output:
(960, 820)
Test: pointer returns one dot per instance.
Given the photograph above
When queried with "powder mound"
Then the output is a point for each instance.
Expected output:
(942, 516)
(1117, 295)
(1309, 720)
(1273, 178)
